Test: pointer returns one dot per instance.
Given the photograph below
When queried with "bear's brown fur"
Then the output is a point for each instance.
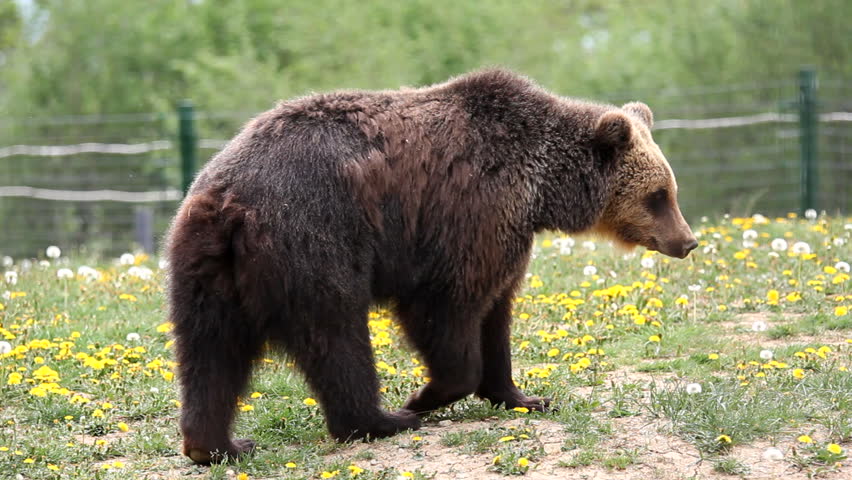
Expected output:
(427, 199)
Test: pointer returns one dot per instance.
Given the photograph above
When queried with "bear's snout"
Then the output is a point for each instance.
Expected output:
(689, 246)
(679, 248)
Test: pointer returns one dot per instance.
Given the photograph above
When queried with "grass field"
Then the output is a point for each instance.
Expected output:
(733, 363)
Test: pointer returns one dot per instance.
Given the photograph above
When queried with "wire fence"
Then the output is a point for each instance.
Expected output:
(111, 183)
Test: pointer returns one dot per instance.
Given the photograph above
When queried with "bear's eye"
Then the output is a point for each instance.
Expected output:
(658, 202)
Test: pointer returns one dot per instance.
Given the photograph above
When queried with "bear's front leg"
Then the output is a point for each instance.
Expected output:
(497, 385)
(340, 369)
(447, 337)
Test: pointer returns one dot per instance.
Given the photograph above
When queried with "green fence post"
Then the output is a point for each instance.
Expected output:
(808, 137)
(188, 143)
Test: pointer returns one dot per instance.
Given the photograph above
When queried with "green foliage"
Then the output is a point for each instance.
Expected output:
(99, 56)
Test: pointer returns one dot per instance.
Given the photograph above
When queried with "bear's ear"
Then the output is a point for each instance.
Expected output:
(613, 131)
(640, 111)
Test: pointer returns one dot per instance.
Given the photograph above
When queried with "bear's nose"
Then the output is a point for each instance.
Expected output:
(689, 246)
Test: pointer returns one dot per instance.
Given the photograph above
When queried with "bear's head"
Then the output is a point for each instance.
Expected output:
(642, 207)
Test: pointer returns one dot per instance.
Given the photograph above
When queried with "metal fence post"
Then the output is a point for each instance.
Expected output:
(188, 143)
(808, 137)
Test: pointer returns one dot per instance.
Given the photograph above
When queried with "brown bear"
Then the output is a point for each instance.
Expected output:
(424, 199)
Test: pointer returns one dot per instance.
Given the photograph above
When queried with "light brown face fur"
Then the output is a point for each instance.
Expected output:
(642, 208)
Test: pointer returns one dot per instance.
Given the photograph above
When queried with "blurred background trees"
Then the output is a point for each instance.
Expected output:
(107, 56)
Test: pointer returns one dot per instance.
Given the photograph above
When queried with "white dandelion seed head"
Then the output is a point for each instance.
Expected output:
(800, 248)
(759, 326)
(842, 266)
(629, 255)
(43, 263)
(7, 295)
(704, 219)
(839, 241)
(717, 235)
(749, 235)
(154, 390)
(759, 219)
(133, 337)
(710, 248)
(88, 273)
(774, 254)
(53, 251)
(693, 388)
(766, 355)
(773, 453)
(564, 241)
(647, 262)
(589, 270)
(589, 245)
(64, 273)
(26, 265)
(694, 288)
(144, 273)
(848, 226)
(163, 264)
(5, 347)
(8, 261)
(749, 244)
(811, 214)
(11, 277)
(613, 274)
(528, 275)
(779, 245)
(127, 259)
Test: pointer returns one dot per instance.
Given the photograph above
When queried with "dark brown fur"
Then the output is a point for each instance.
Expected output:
(427, 199)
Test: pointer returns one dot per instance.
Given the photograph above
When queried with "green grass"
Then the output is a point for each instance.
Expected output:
(89, 389)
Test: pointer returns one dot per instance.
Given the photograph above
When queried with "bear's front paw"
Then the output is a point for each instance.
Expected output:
(517, 399)
(380, 426)
(238, 448)
(539, 404)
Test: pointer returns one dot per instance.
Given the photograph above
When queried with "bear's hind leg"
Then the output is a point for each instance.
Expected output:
(215, 349)
(497, 385)
(336, 357)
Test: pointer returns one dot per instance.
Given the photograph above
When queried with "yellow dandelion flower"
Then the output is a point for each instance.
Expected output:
(772, 297)
(507, 438)
(805, 439)
(841, 311)
(309, 402)
(723, 439)
(247, 408)
(523, 462)
(165, 327)
(330, 474)
(355, 470)
(654, 338)
(834, 448)
(98, 413)
(256, 395)
(496, 460)
(290, 465)
(123, 427)
(799, 373)
(53, 467)
(243, 476)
